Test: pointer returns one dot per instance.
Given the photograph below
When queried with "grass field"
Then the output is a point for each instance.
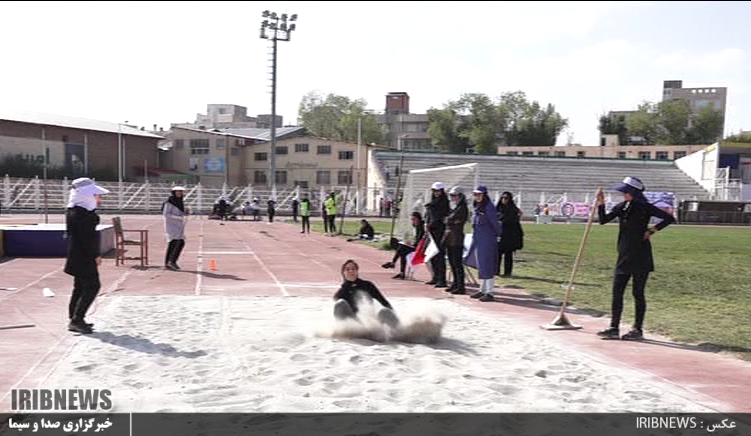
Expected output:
(700, 292)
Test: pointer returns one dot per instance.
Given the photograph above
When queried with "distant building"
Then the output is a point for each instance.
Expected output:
(222, 116)
(78, 145)
(647, 152)
(404, 131)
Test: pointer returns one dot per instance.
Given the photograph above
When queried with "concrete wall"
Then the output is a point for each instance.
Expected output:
(701, 166)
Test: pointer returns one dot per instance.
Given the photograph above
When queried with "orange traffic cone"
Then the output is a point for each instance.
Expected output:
(212, 265)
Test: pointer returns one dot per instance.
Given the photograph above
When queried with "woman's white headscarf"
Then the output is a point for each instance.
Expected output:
(82, 193)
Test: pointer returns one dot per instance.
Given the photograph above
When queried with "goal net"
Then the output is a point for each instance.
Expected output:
(416, 191)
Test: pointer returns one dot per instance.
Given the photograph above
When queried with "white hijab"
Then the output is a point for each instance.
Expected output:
(83, 193)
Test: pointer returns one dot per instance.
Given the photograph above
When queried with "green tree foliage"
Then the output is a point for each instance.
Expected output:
(335, 117)
(672, 122)
(477, 121)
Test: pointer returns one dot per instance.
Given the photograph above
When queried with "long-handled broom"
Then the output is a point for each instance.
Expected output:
(561, 322)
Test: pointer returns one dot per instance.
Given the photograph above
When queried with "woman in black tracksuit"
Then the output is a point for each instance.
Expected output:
(634, 251)
(402, 249)
(512, 235)
(453, 239)
(436, 212)
(347, 298)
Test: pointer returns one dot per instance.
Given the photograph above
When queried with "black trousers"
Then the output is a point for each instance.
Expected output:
(619, 288)
(325, 223)
(457, 265)
(401, 253)
(332, 226)
(306, 224)
(294, 215)
(271, 215)
(507, 258)
(174, 248)
(85, 290)
(438, 262)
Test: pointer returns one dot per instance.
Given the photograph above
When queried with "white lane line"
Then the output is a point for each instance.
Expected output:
(199, 265)
(281, 286)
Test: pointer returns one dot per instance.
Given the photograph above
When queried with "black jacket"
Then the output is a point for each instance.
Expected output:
(436, 212)
(349, 289)
(83, 242)
(634, 252)
(455, 221)
(512, 235)
(367, 229)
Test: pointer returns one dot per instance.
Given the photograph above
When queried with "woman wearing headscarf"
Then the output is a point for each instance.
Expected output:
(174, 214)
(512, 235)
(436, 212)
(347, 298)
(484, 248)
(453, 239)
(404, 248)
(634, 251)
(83, 258)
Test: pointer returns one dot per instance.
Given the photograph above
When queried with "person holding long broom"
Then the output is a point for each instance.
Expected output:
(634, 251)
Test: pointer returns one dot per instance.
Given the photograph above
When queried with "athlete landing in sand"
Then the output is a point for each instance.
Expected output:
(347, 296)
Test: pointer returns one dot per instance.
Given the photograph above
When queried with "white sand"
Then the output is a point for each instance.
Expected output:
(234, 354)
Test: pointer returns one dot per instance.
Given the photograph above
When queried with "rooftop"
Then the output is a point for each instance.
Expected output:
(72, 122)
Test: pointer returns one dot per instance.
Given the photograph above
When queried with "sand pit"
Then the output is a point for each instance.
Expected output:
(255, 354)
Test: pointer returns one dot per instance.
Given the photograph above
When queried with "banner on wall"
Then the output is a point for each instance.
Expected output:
(213, 165)
(573, 209)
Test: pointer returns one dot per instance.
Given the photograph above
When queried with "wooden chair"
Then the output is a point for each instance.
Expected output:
(121, 243)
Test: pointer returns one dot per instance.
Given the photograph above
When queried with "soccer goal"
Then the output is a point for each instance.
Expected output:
(417, 192)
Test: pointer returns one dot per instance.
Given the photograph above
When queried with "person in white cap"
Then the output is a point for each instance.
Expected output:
(174, 214)
(83, 258)
(436, 212)
(634, 251)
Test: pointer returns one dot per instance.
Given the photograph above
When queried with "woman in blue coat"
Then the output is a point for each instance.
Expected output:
(484, 248)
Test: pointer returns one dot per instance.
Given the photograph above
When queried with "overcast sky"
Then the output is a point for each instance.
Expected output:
(160, 63)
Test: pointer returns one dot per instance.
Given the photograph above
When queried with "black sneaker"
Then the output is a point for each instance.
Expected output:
(609, 333)
(450, 288)
(80, 327)
(441, 285)
(170, 267)
(633, 335)
(477, 294)
(458, 291)
(399, 276)
(431, 282)
(176, 266)
(387, 265)
(487, 297)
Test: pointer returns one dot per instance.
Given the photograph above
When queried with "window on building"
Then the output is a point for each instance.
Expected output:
(512, 153)
(346, 155)
(259, 177)
(528, 153)
(415, 127)
(234, 151)
(323, 177)
(179, 144)
(302, 184)
(645, 155)
(581, 154)
(199, 146)
(621, 155)
(193, 164)
(679, 154)
(282, 149)
(543, 153)
(345, 177)
(65, 138)
(281, 177)
(602, 142)
(221, 143)
(323, 149)
(260, 156)
(301, 148)
(661, 155)
(560, 154)
(239, 142)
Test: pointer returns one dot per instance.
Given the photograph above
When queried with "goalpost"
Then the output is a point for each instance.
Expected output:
(416, 192)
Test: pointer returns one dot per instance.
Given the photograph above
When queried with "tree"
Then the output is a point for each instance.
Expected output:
(485, 122)
(614, 125)
(744, 137)
(644, 122)
(540, 126)
(445, 128)
(706, 126)
(336, 117)
(674, 116)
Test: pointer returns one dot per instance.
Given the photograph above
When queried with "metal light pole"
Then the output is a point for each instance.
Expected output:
(275, 28)
(120, 165)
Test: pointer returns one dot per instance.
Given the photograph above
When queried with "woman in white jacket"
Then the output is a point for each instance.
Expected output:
(174, 226)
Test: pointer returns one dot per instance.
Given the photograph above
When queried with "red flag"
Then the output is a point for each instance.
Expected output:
(419, 257)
